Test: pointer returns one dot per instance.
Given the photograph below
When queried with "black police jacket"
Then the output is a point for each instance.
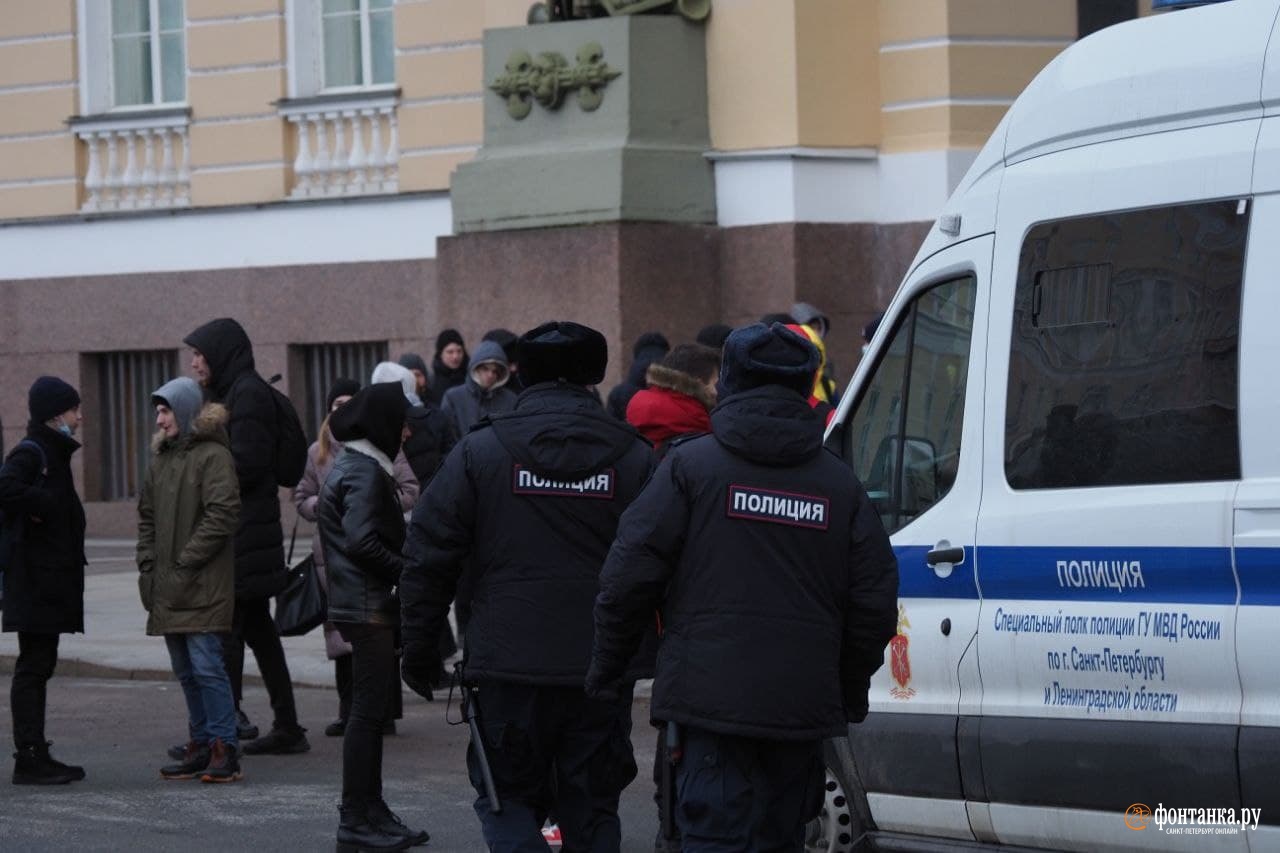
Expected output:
(362, 533)
(533, 497)
(780, 584)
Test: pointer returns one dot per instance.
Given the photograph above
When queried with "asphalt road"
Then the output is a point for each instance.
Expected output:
(119, 730)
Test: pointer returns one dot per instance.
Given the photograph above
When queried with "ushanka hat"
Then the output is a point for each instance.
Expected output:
(759, 355)
(563, 351)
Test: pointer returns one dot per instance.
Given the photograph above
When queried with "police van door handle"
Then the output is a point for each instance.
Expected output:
(943, 558)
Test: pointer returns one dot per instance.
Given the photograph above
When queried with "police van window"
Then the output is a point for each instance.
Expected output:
(903, 440)
(1124, 361)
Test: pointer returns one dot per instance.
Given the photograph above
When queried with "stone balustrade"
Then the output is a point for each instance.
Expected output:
(135, 160)
(346, 145)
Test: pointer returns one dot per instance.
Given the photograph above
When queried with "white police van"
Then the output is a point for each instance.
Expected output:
(1070, 422)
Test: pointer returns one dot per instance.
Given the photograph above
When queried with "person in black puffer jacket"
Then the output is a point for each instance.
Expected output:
(362, 533)
(42, 548)
(772, 568)
(532, 499)
(222, 362)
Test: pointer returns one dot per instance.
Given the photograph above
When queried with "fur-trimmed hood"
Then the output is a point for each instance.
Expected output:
(209, 424)
(682, 383)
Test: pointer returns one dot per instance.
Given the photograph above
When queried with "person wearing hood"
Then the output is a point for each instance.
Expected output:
(680, 395)
(771, 566)
(449, 365)
(222, 362)
(484, 393)
(819, 326)
(306, 497)
(362, 533)
(187, 513)
(648, 348)
(413, 362)
(43, 551)
(509, 341)
(821, 395)
(531, 499)
(430, 433)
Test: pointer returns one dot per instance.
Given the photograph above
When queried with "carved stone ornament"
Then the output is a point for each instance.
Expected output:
(548, 78)
(546, 11)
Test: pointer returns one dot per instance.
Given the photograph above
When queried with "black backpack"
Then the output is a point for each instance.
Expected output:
(291, 441)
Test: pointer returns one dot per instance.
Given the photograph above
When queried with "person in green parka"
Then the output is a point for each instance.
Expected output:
(186, 522)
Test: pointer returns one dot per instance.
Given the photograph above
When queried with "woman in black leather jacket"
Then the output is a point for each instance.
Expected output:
(362, 533)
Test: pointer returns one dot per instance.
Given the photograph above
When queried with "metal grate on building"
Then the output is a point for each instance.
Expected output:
(125, 417)
(324, 363)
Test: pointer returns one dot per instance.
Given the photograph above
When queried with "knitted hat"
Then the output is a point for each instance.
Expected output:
(714, 335)
(340, 388)
(413, 361)
(564, 351)
(448, 336)
(651, 342)
(49, 397)
(768, 355)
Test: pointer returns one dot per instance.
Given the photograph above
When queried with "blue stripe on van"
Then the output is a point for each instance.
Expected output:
(1259, 571)
(1167, 575)
(917, 580)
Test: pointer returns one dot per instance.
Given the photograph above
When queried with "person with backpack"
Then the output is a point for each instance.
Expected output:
(269, 450)
(42, 555)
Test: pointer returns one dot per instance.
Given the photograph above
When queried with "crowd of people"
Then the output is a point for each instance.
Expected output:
(582, 543)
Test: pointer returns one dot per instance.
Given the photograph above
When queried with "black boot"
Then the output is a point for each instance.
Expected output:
(283, 741)
(76, 771)
(245, 730)
(195, 758)
(32, 766)
(357, 834)
(381, 816)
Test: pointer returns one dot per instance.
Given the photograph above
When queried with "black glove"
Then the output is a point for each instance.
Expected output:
(420, 669)
(601, 691)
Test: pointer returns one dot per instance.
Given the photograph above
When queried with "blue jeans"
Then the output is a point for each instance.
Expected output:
(197, 662)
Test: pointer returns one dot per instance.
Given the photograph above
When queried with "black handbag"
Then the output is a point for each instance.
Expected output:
(302, 604)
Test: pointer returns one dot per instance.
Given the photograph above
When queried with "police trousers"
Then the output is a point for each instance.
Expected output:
(552, 750)
(744, 795)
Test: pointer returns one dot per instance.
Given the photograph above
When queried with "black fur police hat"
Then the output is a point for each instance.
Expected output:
(563, 351)
(768, 355)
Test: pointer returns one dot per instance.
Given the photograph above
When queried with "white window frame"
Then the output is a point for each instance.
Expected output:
(97, 68)
(304, 23)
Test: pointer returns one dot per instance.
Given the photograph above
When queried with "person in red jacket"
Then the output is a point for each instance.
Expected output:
(680, 395)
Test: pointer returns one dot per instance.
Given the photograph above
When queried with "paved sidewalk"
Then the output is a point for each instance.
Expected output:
(115, 643)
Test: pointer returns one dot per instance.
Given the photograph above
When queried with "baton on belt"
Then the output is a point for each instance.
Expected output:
(472, 716)
(671, 754)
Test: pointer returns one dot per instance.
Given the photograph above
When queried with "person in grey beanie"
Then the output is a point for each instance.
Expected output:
(42, 553)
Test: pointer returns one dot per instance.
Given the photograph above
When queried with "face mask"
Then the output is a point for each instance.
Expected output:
(865, 347)
(65, 428)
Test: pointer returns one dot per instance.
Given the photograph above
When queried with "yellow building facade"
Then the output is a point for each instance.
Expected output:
(288, 162)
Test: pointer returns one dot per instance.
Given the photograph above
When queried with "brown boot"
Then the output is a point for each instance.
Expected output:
(224, 763)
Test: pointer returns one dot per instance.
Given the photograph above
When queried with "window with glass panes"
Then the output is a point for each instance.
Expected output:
(148, 53)
(359, 43)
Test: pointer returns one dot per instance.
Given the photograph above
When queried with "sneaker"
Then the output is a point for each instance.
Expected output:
(31, 766)
(279, 742)
(245, 730)
(74, 770)
(195, 758)
(177, 752)
(382, 817)
(224, 764)
(336, 729)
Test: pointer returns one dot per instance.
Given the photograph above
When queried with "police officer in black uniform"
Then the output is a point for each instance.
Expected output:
(778, 592)
(533, 498)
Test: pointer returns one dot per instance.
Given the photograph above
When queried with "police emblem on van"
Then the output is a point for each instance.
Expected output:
(778, 507)
(900, 660)
(598, 485)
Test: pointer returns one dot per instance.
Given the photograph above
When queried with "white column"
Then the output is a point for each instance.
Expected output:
(147, 197)
(168, 180)
(301, 163)
(377, 153)
(392, 181)
(182, 194)
(129, 181)
(93, 174)
(357, 162)
(111, 182)
(338, 178)
(323, 160)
